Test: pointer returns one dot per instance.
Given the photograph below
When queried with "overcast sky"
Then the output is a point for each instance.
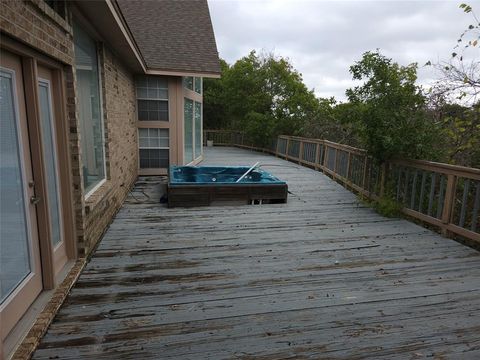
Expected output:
(323, 38)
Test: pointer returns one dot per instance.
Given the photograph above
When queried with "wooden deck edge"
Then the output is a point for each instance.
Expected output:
(29, 344)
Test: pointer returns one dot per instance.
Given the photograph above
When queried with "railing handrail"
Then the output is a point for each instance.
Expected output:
(464, 171)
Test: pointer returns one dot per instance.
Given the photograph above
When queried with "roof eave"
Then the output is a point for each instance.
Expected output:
(204, 74)
(107, 23)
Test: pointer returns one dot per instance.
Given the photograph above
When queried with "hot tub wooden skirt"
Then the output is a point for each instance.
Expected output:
(213, 194)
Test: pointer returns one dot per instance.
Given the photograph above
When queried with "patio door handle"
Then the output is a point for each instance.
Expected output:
(34, 200)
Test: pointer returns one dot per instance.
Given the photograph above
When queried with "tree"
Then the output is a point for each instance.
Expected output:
(262, 95)
(460, 133)
(454, 98)
(214, 110)
(390, 108)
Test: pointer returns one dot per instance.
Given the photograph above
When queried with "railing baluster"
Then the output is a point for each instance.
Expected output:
(364, 180)
(348, 165)
(422, 191)
(405, 189)
(466, 188)
(441, 196)
(432, 193)
(414, 190)
(287, 150)
(300, 152)
(326, 152)
(335, 163)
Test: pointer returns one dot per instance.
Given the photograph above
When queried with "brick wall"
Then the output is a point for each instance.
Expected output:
(36, 24)
(119, 107)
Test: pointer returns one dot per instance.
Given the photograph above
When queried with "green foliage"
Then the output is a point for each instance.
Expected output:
(389, 109)
(388, 207)
(214, 110)
(460, 131)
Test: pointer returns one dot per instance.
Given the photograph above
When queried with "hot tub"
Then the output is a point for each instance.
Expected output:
(205, 185)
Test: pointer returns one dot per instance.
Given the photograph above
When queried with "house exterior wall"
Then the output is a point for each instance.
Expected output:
(35, 24)
(119, 108)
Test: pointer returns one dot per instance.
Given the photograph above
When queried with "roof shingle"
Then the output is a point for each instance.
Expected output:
(173, 35)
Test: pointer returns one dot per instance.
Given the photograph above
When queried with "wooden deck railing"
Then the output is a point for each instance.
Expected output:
(446, 196)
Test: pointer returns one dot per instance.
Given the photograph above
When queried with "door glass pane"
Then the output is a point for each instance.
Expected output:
(50, 161)
(198, 129)
(89, 109)
(14, 249)
(188, 131)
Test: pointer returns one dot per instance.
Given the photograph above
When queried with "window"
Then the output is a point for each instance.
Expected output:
(89, 109)
(193, 83)
(192, 130)
(188, 82)
(152, 98)
(188, 131)
(198, 129)
(58, 6)
(154, 148)
(198, 85)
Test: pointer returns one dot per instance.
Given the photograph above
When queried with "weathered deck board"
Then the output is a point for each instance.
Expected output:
(320, 277)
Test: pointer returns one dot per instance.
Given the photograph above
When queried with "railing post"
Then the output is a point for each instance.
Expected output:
(326, 151)
(276, 147)
(449, 202)
(317, 155)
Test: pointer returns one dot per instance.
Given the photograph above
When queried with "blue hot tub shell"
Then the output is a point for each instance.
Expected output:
(203, 185)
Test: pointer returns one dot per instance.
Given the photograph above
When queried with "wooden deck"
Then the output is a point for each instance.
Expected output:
(321, 277)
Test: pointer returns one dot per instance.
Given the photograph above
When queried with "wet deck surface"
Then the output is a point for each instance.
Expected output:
(321, 277)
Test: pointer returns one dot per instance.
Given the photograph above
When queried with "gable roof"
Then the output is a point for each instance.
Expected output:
(173, 36)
